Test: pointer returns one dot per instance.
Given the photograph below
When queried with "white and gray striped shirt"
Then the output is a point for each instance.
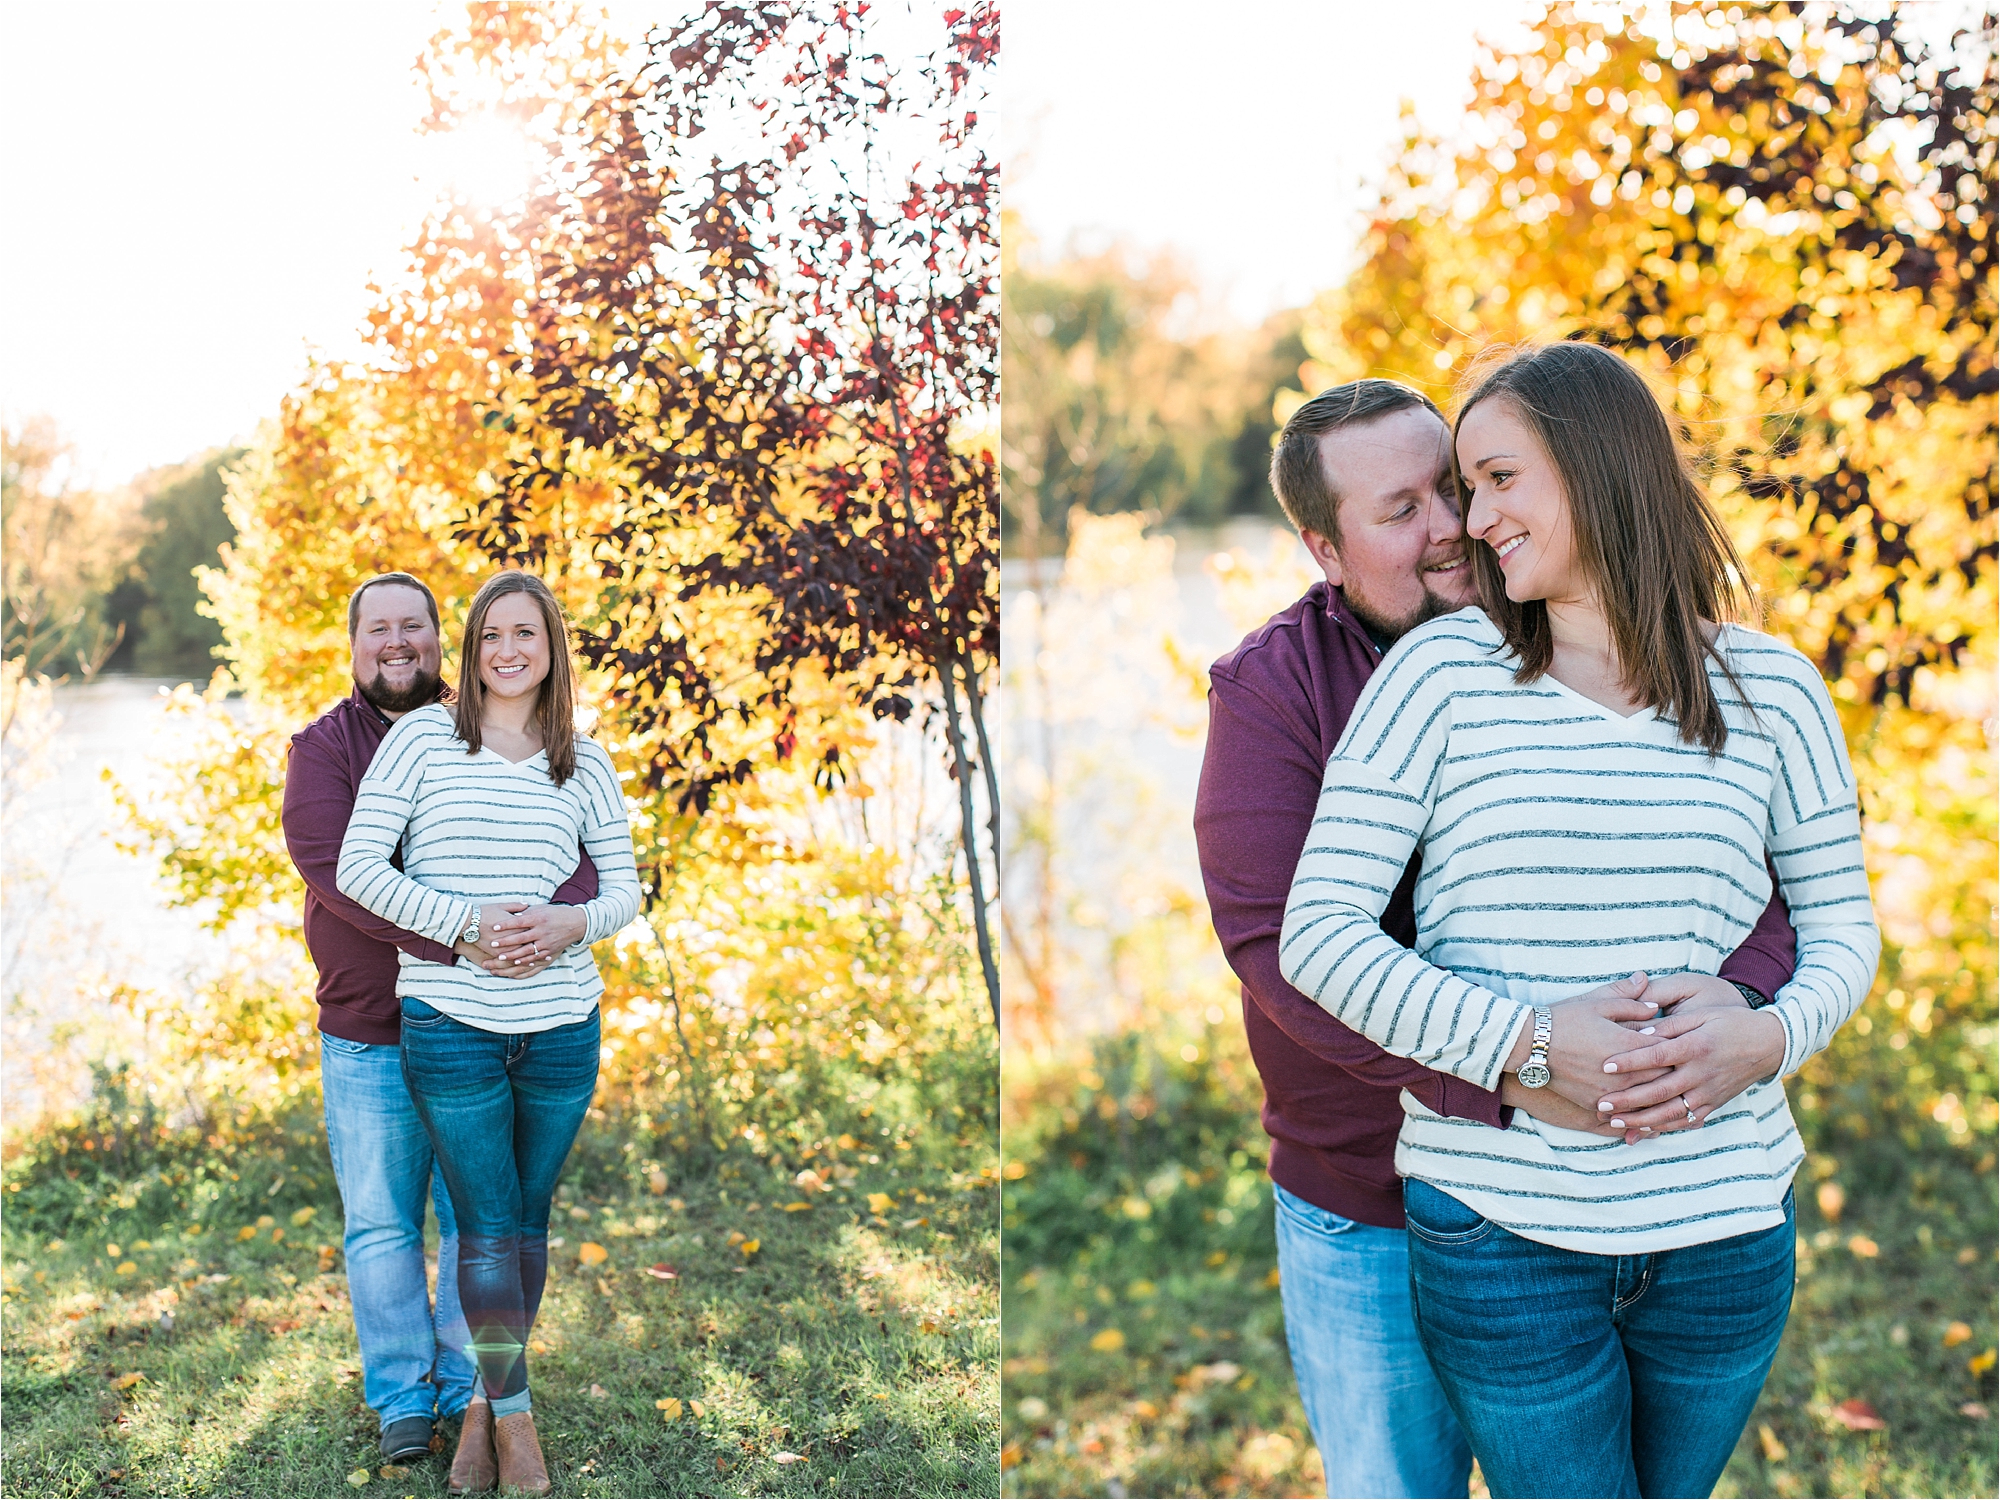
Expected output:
(481, 828)
(1565, 846)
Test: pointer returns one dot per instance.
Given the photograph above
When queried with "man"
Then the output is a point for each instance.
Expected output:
(1364, 472)
(413, 1366)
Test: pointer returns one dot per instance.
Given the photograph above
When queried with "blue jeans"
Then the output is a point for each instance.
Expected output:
(502, 1112)
(412, 1356)
(1382, 1424)
(1580, 1374)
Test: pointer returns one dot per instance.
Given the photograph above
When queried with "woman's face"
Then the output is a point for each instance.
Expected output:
(513, 648)
(1517, 506)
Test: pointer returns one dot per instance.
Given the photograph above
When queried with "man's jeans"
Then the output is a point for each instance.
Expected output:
(502, 1112)
(1580, 1374)
(1382, 1425)
(412, 1364)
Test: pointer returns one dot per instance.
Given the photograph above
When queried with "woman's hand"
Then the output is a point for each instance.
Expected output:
(500, 968)
(1715, 1054)
(1684, 994)
(535, 933)
(1551, 1108)
(1588, 1030)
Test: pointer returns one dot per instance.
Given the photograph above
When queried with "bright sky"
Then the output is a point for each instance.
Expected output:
(197, 191)
(1250, 139)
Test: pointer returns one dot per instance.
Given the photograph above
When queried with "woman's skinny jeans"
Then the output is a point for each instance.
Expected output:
(1596, 1375)
(502, 1112)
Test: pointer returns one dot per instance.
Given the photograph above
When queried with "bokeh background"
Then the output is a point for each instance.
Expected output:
(318, 292)
(1782, 215)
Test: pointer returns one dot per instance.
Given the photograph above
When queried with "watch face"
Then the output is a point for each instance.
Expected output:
(1533, 1075)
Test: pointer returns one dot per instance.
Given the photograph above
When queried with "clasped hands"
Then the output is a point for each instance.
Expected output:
(519, 939)
(1624, 1057)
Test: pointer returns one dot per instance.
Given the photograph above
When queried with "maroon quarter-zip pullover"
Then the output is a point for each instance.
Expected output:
(1278, 704)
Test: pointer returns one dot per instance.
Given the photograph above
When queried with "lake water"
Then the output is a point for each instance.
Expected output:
(1103, 707)
(80, 916)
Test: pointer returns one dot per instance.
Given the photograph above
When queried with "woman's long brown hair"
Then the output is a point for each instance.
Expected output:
(1648, 541)
(556, 709)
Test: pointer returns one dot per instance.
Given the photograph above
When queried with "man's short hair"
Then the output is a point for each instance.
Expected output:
(1298, 474)
(406, 581)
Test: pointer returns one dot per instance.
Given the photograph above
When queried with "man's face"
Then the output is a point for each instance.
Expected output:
(396, 656)
(1402, 558)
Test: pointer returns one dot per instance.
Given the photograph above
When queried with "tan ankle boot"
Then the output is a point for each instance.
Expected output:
(519, 1451)
(474, 1470)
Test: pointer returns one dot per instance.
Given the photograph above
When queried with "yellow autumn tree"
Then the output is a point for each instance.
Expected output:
(1783, 215)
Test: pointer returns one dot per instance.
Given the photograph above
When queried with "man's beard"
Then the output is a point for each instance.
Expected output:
(423, 689)
(1392, 630)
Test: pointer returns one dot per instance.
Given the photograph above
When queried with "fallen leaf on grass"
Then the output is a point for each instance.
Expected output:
(326, 1258)
(1864, 1247)
(788, 1458)
(126, 1268)
(928, 1325)
(880, 1203)
(113, 1251)
(797, 1208)
(265, 1221)
(304, 1216)
(1979, 1364)
(126, 1382)
(249, 1232)
(750, 1247)
(536, 1346)
(1219, 1258)
(277, 1236)
(1957, 1334)
(1857, 1415)
(1272, 1280)
(589, 1253)
(358, 1478)
(1968, 1255)
(392, 1471)
(1976, 1410)
(598, 1392)
(556, 1242)
(1010, 1456)
(737, 1236)
(663, 1271)
(670, 1406)
(656, 1183)
(1775, 1452)
(1107, 1340)
(1145, 1409)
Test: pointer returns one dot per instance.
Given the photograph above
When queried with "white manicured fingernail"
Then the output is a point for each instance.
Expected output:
(1611, 1067)
(1619, 1123)
(1646, 1031)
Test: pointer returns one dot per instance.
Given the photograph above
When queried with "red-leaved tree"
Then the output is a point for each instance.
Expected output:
(766, 315)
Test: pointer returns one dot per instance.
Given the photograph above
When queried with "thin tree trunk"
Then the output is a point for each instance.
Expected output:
(968, 825)
(974, 702)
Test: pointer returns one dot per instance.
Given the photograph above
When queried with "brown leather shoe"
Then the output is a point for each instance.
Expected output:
(474, 1470)
(519, 1450)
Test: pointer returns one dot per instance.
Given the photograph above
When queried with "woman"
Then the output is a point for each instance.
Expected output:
(1595, 769)
(489, 800)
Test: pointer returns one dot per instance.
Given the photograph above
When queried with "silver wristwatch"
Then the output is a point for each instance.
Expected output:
(1534, 1073)
(471, 933)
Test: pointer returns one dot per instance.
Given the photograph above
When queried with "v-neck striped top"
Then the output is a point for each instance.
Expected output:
(1566, 846)
(481, 828)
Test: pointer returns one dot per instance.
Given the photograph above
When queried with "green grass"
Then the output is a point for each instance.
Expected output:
(1144, 1346)
(865, 1341)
